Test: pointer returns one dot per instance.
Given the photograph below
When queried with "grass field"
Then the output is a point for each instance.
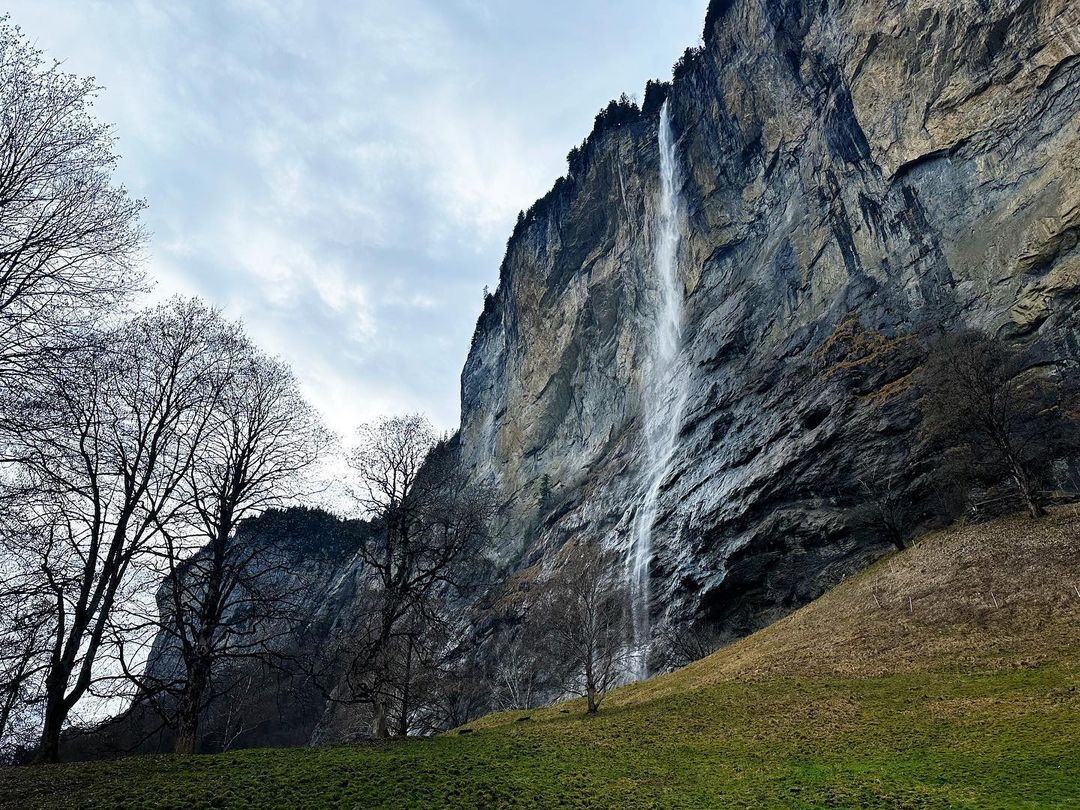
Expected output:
(948, 675)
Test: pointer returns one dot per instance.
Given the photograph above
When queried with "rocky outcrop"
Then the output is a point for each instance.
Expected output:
(855, 176)
(263, 694)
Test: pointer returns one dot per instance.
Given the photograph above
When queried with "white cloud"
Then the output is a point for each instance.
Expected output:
(344, 175)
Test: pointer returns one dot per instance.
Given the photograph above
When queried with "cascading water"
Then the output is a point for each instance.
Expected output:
(664, 389)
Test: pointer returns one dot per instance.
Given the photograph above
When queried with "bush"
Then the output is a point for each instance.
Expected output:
(656, 93)
(687, 63)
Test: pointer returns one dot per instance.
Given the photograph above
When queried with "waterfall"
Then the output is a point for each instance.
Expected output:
(664, 389)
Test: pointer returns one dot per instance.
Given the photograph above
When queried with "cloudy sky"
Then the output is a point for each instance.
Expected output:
(343, 174)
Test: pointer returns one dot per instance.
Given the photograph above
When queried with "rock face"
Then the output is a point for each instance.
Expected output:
(854, 176)
(264, 699)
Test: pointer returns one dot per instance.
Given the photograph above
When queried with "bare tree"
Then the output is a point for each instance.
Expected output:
(68, 236)
(227, 597)
(122, 423)
(429, 526)
(24, 621)
(523, 668)
(886, 508)
(982, 401)
(589, 624)
(452, 694)
(684, 645)
(69, 240)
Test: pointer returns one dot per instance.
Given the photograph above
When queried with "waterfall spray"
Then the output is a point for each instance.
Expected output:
(664, 389)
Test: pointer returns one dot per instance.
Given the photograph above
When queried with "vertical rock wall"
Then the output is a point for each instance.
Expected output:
(856, 174)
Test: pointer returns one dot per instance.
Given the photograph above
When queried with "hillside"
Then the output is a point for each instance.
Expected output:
(966, 695)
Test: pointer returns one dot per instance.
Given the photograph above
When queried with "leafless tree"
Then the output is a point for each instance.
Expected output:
(524, 668)
(68, 236)
(684, 645)
(586, 612)
(226, 597)
(429, 527)
(240, 714)
(122, 422)
(982, 401)
(69, 241)
(451, 695)
(886, 508)
(24, 615)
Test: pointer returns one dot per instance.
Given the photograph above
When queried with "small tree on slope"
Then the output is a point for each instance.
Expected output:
(589, 623)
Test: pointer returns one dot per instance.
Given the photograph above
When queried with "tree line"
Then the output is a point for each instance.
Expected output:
(129, 440)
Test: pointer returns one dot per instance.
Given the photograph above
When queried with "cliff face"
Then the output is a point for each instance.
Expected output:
(850, 178)
(853, 175)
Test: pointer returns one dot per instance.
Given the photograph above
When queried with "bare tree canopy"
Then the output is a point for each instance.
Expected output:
(68, 236)
(25, 614)
(429, 527)
(887, 509)
(123, 446)
(226, 598)
(586, 613)
(524, 671)
(994, 413)
(387, 458)
(69, 242)
(123, 422)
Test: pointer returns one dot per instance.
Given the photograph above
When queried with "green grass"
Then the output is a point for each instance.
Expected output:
(862, 699)
(999, 739)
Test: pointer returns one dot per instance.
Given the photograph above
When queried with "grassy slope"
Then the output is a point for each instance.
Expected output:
(969, 695)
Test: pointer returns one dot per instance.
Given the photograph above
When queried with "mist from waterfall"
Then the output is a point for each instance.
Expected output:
(664, 390)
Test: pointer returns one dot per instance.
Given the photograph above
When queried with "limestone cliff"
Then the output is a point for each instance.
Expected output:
(852, 176)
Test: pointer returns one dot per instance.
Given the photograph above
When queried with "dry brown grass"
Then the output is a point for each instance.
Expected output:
(852, 345)
(995, 595)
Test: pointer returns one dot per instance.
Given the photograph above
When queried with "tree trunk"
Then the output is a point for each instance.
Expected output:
(49, 748)
(590, 696)
(186, 732)
(406, 692)
(187, 722)
(380, 724)
(56, 710)
(1023, 486)
(379, 728)
(189, 707)
(590, 674)
(1033, 507)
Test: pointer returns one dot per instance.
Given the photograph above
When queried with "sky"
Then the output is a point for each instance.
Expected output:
(343, 175)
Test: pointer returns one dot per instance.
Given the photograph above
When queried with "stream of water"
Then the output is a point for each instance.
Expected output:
(664, 390)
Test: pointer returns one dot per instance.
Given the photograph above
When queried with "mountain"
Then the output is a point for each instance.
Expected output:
(702, 349)
(943, 676)
(847, 179)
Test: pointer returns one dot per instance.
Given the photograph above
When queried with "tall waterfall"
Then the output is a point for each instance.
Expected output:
(664, 389)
